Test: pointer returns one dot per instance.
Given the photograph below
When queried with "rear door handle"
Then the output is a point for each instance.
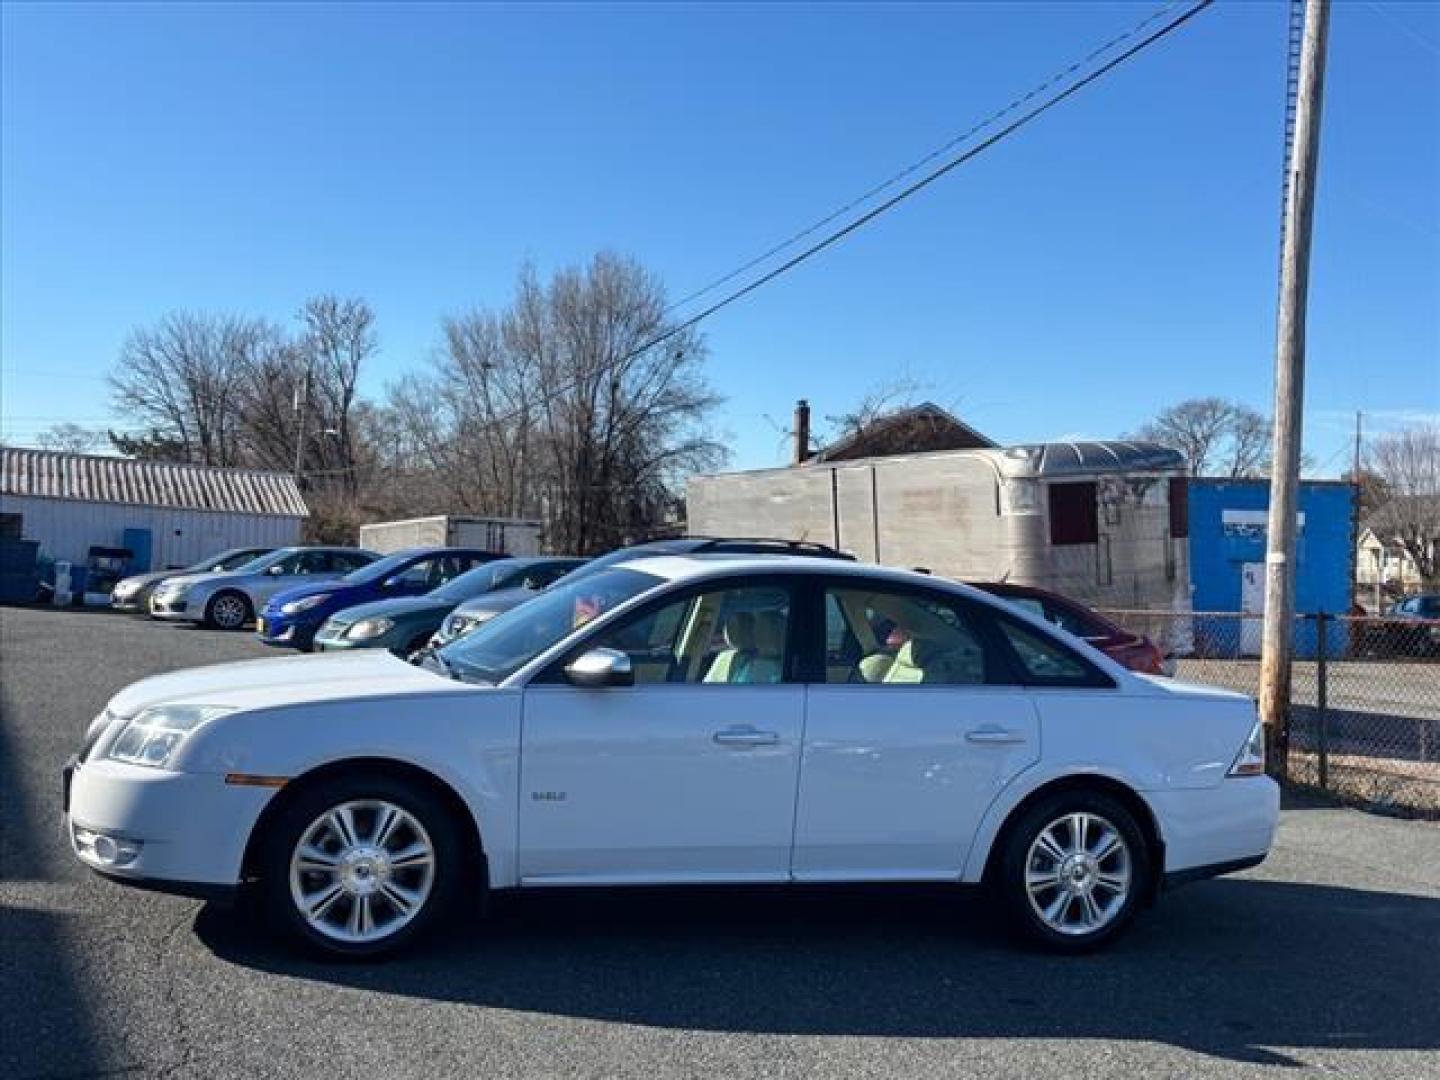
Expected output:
(994, 736)
(745, 736)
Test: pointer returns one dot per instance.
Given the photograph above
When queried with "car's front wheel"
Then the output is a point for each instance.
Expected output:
(1073, 870)
(228, 611)
(360, 864)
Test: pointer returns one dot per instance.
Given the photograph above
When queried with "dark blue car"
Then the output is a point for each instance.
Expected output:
(292, 617)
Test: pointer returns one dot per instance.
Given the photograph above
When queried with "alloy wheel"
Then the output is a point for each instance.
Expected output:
(362, 870)
(228, 612)
(1078, 873)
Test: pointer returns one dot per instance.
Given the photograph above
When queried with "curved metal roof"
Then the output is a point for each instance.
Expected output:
(1043, 460)
(48, 474)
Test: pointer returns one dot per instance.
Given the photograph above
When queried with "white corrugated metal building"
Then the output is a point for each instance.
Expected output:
(71, 502)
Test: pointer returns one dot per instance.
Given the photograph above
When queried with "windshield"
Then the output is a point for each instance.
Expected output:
(381, 568)
(625, 554)
(260, 562)
(231, 560)
(473, 582)
(505, 644)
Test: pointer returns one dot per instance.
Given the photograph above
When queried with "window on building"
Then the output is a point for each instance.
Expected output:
(1074, 514)
(1179, 508)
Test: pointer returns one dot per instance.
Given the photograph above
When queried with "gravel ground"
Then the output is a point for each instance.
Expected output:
(1325, 959)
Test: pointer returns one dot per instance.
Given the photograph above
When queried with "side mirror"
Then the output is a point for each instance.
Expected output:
(276, 570)
(601, 667)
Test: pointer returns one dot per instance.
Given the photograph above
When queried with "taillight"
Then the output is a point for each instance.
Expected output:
(1250, 761)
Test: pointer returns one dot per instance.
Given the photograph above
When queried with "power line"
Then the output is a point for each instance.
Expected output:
(929, 178)
(925, 181)
(916, 166)
(839, 234)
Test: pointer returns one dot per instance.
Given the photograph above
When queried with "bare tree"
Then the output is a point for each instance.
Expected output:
(182, 378)
(1408, 465)
(879, 401)
(338, 337)
(71, 438)
(1217, 437)
(560, 406)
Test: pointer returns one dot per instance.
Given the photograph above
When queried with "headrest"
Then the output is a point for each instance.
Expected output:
(740, 630)
(769, 633)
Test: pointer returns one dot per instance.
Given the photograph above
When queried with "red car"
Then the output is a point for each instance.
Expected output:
(1136, 651)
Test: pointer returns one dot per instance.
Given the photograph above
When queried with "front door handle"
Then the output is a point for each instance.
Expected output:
(994, 736)
(745, 736)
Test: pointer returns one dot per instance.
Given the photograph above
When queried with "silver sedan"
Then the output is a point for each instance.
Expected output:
(229, 599)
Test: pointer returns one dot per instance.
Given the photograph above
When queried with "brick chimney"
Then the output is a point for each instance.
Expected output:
(802, 431)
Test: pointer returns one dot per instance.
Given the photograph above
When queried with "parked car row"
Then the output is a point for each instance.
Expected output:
(341, 599)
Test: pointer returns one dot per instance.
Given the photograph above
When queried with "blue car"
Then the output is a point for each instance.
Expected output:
(292, 617)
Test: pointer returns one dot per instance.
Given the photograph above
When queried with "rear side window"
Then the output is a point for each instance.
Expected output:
(901, 639)
(1047, 662)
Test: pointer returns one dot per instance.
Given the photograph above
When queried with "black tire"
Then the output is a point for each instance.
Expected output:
(219, 620)
(295, 822)
(1015, 863)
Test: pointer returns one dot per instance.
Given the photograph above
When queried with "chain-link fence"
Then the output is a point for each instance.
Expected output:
(1364, 697)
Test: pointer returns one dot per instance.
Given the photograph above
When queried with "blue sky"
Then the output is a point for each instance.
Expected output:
(1118, 255)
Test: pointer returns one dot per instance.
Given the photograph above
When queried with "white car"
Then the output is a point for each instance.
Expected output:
(681, 720)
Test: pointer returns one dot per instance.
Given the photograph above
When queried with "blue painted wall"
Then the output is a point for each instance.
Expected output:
(1218, 553)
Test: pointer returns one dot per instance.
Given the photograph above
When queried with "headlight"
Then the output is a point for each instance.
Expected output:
(460, 625)
(294, 607)
(152, 736)
(370, 628)
(94, 731)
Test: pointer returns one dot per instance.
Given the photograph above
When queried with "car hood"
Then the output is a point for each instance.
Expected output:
(394, 608)
(137, 581)
(288, 680)
(326, 587)
(499, 600)
(191, 580)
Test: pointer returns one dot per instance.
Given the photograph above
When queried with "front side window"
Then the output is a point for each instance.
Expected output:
(288, 566)
(313, 562)
(418, 575)
(901, 639)
(724, 636)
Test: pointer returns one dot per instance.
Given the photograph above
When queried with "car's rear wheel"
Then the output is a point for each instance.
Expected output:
(360, 864)
(228, 611)
(1073, 870)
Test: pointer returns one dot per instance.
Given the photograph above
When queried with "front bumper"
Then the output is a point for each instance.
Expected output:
(180, 609)
(176, 832)
(285, 631)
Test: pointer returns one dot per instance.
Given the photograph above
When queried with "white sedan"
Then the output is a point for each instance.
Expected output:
(680, 720)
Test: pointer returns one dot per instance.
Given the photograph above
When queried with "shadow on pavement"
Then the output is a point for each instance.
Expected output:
(1237, 969)
(46, 1023)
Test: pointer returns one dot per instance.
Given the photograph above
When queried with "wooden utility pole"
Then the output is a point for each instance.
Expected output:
(1278, 637)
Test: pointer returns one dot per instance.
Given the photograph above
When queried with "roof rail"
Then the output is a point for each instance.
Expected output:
(809, 547)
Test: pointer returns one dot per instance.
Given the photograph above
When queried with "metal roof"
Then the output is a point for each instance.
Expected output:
(48, 474)
(1072, 458)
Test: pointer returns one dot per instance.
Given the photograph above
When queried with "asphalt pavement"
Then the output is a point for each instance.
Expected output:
(1324, 960)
